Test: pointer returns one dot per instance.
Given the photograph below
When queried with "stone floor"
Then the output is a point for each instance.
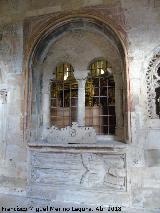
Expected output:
(14, 203)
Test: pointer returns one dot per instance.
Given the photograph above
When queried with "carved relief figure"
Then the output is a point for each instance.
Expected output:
(110, 173)
(82, 170)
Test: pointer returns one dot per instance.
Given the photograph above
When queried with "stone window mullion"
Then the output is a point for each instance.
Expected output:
(81, 77)
(81, 102)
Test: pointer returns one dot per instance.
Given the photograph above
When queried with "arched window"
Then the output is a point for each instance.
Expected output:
(63, 96)
(100, 98)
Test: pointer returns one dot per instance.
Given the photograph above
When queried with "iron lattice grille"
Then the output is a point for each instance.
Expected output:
(64, 97)
(100, 98)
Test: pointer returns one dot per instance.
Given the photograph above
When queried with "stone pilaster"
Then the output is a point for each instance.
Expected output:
(3, 120)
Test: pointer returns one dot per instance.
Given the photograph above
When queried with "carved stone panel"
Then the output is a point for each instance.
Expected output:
(73, 134)
(54, 174)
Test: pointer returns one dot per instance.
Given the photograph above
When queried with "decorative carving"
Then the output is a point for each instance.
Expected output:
(153, 82)
(73, 134)
(3, 96)
(102, 172)
(83, 171)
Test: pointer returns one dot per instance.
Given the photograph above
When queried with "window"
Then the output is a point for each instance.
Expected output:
(63, 97)
(99, 98)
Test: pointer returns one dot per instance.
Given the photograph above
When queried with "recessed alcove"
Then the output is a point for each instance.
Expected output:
(77, 43)
(85, 149)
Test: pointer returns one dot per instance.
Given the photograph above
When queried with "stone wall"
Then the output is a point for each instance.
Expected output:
(138, 23)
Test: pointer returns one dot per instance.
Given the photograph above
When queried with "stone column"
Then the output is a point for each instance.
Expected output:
(81, 77)
(81, 102)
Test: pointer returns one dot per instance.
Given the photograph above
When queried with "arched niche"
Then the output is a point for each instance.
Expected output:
(78, 41)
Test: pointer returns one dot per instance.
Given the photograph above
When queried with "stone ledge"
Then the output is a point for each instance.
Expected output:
(100, 145)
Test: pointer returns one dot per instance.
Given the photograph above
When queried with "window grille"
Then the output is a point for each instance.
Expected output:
(100, 98)
(64, 97)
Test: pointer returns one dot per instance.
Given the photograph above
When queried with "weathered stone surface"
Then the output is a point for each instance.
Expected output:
(32, 205)
(86, 170)
(152, 158)
(79, 176)
(11, 47)
(73, 134)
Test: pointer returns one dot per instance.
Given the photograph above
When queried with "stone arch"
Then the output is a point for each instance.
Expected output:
(36, 57)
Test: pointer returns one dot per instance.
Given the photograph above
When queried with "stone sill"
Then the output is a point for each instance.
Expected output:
(100, 144)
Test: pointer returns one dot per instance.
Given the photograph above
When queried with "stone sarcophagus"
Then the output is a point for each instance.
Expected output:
(79, 173)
